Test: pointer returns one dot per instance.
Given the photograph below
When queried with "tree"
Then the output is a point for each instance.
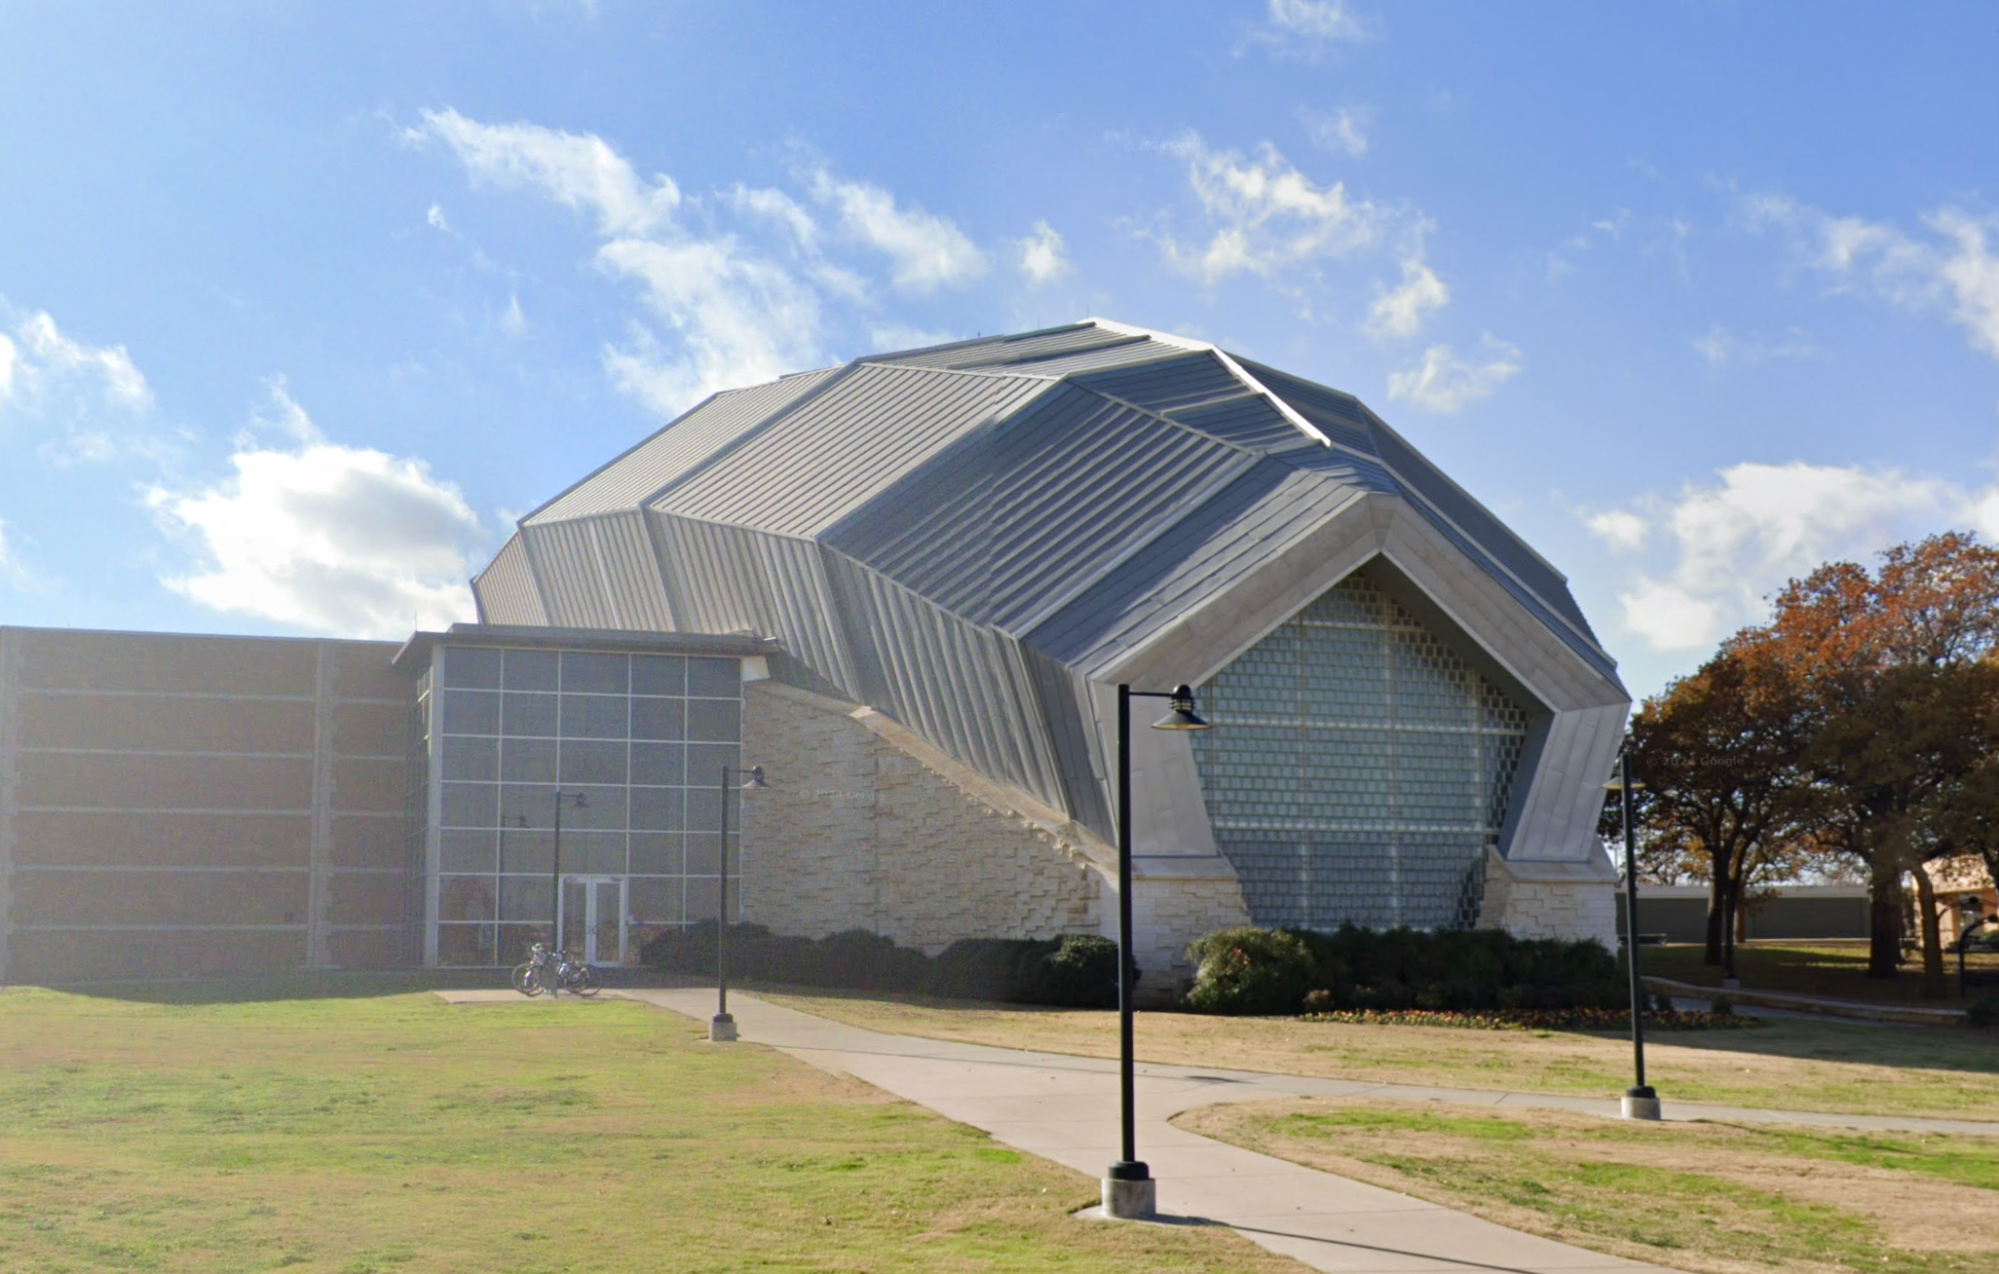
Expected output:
(1891, 675)
(1718, 754)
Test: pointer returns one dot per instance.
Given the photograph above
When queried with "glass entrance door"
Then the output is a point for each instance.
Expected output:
(593, 918)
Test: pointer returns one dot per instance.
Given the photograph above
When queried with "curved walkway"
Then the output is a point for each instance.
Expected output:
(1064, 1108)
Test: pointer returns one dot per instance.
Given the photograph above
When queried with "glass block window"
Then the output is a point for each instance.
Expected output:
(1358, 768)
(643, 737)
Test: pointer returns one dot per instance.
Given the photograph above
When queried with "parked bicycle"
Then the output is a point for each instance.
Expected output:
(554, 972)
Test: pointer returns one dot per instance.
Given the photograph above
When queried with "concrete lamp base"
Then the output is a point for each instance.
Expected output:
(1641, 1103)
(721, 1029)
(1130, 1193)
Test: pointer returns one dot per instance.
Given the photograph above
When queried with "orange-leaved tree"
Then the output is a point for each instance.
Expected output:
(1718, 753)
(1895, 685)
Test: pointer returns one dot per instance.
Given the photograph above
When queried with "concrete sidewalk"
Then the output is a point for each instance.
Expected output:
(1065, 1109)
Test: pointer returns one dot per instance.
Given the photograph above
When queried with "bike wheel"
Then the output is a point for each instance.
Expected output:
(587, 981)
(525, 980)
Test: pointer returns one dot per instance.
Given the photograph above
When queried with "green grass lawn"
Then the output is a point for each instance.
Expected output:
(1707, 1196)
(378, 1133)
(1836, 970)
(1783, 1065)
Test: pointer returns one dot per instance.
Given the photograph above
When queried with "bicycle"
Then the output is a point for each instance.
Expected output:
(553, 972)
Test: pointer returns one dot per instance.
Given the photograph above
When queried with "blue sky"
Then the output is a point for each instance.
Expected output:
(301, 305)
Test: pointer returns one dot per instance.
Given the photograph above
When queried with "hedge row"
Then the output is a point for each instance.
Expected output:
(1078, 971)
(1272, 971)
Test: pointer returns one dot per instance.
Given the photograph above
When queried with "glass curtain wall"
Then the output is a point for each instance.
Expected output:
(1358, 769)
(642, 737)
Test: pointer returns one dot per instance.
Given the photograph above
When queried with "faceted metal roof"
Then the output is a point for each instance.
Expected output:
(969, 536)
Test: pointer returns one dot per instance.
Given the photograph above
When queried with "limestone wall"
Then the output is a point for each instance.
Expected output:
(866, 826)
(1571, 901)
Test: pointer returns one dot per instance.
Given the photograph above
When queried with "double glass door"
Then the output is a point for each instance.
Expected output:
(593, 918)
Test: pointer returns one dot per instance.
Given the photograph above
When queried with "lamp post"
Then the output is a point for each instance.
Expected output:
(1129, 1192)
(1640, 1101)
(576, 802)
(722, 1027)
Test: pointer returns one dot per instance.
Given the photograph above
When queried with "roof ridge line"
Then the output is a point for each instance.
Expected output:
(1228, 361)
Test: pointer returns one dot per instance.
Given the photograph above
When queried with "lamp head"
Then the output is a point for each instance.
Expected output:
(1182, 715)
(753, 780)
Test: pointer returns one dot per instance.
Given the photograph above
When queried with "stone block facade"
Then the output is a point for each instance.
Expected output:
(1567, 900)
(865, 826)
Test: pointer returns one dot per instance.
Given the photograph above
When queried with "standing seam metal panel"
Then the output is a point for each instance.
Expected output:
(1005, 349)
(1205, 553)
(720, 572)
(678, 448)
(1161, 386)
(1010, 520)
(803, 615)
(950, 681)
(506, 590)
(625, 551)
(566, 567)
(815, 464)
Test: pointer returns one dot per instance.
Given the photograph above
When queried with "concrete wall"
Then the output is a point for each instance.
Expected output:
(175, 804)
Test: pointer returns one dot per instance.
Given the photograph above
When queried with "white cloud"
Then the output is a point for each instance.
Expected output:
(1342, 131)
(1399, 312)
(91, 400)
(42, 361)
(579, 171)
(1041, 255)
(738, 287)
(1267, 217)
(434, 218)
(1725, 547)
(741, 319)
(1623, 531)
(925, 251)
(512, 321)
(780, 209)
(328, 538)
(1723, 348)
(1954, 268)
(1443, 382)
(1307, 28)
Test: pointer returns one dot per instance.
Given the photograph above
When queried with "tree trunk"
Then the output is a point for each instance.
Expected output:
(1884, 918)
(1716, 908)
(1926, 909)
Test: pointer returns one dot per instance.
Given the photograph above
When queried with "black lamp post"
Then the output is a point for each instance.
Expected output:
(1640, 1101)
(576, 802)
(722, 1027)
(1129, 1191)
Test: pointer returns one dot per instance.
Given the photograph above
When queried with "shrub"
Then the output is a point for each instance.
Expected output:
(1721, 1006)
(1077, 971)
(1269, 971)
(1983, 1013)
(1250, 971)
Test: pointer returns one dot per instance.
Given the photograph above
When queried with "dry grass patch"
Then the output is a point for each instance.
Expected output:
(400, 1134)
(1720, 1198)
(1784, 1065)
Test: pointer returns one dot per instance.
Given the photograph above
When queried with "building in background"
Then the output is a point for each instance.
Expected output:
(961, 551)
(909, 588)
(176, 805)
